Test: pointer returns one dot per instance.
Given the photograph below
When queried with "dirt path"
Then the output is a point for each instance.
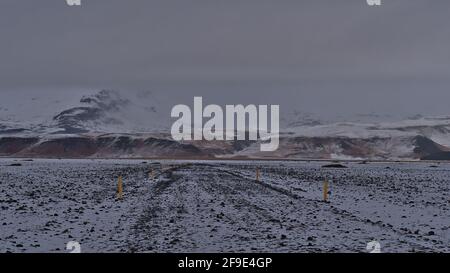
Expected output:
(201, 208)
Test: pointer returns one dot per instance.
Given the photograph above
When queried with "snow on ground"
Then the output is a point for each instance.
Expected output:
(218, 206)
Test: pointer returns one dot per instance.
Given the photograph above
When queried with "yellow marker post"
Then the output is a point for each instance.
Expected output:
(119, 188)
(325, 190)
(257, 174)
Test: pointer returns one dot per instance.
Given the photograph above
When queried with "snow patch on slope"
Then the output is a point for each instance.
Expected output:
(435, 128)
(64, 112)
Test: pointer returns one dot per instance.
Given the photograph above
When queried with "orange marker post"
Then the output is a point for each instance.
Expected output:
(325, 191)
(119, 188)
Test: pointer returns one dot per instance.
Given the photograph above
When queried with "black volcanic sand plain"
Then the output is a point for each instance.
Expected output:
(219, 206)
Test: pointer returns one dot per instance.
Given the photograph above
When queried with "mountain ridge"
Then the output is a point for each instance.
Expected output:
(109, 123)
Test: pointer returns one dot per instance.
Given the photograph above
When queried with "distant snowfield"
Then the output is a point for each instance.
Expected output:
(435, 128)
(218, 206)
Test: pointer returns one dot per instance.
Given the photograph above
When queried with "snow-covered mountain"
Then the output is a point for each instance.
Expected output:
(109, 123)
(105, 111)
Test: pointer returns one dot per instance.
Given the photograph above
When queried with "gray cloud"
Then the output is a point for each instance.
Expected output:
(306, 51)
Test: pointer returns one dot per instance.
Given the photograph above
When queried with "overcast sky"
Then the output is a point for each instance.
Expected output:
(315, 55)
